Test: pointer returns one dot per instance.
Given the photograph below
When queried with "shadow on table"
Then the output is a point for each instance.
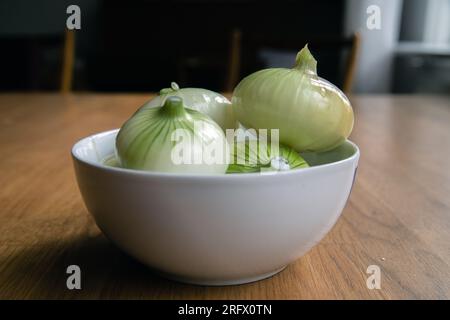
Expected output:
(40, 272)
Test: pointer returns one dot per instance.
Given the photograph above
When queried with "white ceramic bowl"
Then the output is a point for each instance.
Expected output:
(214, 230)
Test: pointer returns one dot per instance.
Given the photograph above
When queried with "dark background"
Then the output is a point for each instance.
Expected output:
(143, 45)
(176, 30)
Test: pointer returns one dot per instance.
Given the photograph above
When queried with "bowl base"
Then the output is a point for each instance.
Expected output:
(219, 282)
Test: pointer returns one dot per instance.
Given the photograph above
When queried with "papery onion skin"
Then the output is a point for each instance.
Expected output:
(205, 101)
(145, 141)
(311, 113)
(261, 157)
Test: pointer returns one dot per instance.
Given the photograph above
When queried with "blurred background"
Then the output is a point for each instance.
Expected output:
(143, 45)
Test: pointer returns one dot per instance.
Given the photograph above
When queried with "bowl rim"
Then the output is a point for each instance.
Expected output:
(353, 158)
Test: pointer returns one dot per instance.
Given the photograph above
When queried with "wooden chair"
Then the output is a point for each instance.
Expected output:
(68, 59)
(259, 41)
(234, 63)
(38, 62)
(231, 71)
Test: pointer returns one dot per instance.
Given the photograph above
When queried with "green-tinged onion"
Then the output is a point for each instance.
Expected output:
(311, 113)
(255, 156)
(174, 139)
(205, 101)
(111, 161)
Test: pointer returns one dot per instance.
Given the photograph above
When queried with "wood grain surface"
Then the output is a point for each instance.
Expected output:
(398, 215)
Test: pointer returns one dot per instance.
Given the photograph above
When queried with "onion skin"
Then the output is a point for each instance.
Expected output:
(311, 113)
(205, 101)
(242, 155)
(145, 141)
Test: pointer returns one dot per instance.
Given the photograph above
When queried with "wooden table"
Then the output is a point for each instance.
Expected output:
(398, 216)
